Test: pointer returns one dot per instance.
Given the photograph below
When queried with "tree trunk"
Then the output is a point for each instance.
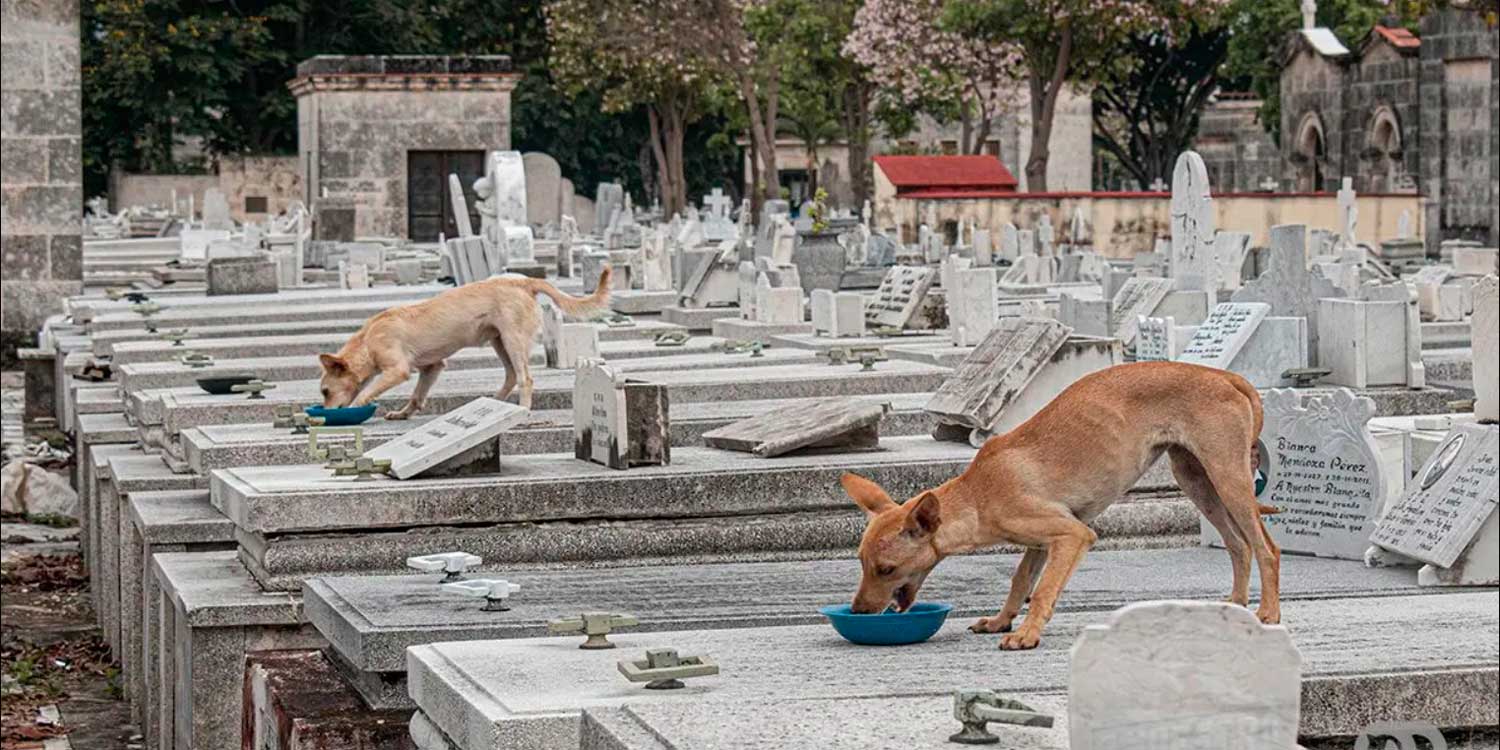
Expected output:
(856, 123)
(755, 189)
(1044, 94)
(666, 146)
(763, 131)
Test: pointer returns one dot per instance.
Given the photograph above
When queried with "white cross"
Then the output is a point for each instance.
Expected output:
(718, 203)
(1309, 14)
(1348, 211)
(1158, 185)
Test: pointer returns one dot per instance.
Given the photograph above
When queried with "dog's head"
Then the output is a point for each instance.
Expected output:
(339, 384)
(896, 553)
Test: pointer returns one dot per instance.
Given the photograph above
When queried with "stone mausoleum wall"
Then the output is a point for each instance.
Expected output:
(275, 180)
(358, 117)
(41, 165)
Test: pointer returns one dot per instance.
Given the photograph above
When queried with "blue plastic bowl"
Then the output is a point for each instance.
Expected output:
(346, 416)
(889, 628)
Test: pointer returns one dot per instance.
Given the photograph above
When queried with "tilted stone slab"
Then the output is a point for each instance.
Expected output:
(996, 372)
(1219, 339)
(900, 294)
(838, 423)
(1138, 296)
(529, 693)
(1448, 500)
(448, 437)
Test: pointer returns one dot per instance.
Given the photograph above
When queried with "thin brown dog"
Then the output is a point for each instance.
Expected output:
(1041, 484)
(501, 312)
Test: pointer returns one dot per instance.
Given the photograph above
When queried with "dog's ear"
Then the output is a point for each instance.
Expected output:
(867, 494)
(332, 363)
(925, 515)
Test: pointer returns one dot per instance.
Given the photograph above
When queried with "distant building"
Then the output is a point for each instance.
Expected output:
(906, 185)
(1400, 112)
(1240, 155)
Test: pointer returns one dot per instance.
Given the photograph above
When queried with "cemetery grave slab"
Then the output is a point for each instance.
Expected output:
(529, 693)
(838, 424)
(86, 310)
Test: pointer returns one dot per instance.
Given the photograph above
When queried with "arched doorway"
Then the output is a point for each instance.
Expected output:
(1310, 155)
(1382, 152)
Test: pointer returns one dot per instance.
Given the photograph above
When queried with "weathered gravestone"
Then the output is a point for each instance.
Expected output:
(835, 425)
(1180, 675)
(460, 206)
(997, 371)
(1224, 333)
(1485, 335)
(900, 293)
(1447, 516)
(216, 210)
(463, 441)
(619, 422)
(1155, 339)
(194, 242)
(1010, 242)
(1241, 337)
(1138, 296)
(1230, 249)
(543, 188)
(1288, 286)
(252, 275)
(973, 308)
(1193, 263)
(564, 343)
(1319, 466)
(838, 314)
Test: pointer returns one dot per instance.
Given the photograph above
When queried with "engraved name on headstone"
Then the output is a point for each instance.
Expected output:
(1137, 296)
(996, 372)
(900, 292)
(1224, 333)
(1448, 500)
(436, 441)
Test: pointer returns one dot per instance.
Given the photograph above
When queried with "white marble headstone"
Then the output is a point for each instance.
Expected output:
(1448, 500)
(433, 442)
(1224, 333)
(1485, 338)
(1193, 263)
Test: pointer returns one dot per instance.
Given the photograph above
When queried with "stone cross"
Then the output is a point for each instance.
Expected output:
(1309, 14)
(1193, 263)
(1269, 184)
(718, 203)
(1158, 185)
(1348, 213)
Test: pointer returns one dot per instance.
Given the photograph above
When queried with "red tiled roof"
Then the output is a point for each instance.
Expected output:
(1398, 37)
(963, 174)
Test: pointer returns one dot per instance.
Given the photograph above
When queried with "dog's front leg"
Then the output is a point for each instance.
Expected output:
(388, 379)
(1021, 584)
(1065, 547)
(425, 378)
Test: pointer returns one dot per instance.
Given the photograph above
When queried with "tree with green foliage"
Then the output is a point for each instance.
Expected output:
(1148, 104)
(1064, 42)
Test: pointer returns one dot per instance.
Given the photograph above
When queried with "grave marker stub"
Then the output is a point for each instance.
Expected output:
(996, 372)
(1225, 681)
(431, 444)
(1321, 470)
(1448, 500)
(1138, 296)
(1224, 333)
(1153, 339)
(617, 422)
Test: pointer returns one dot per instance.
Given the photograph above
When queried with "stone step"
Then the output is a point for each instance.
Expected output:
(484, 695)
(228, 446)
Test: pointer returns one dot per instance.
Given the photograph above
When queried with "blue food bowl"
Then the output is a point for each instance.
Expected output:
(889, 628)
(346, 416)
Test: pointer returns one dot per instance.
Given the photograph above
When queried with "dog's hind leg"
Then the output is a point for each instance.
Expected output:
(518, 346)
(510, 369)
(1194, 482)
(425, 378)
(1236, 489)
(1021, 584)
(1067, 540)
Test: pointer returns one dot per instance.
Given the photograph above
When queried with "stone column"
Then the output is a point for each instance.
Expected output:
(41, 165)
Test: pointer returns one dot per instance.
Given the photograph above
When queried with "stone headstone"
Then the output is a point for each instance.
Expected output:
(783, 241)
(1320, 467)
(461, 441)
(1045, 236)
(1449, 499)
(618, 422)
(983, 250)
(1154, 339)
(564, 343)
(1193, 263)
(778, 305)
(1287, 285)
(544, 193)
(900, 293)
(1221, 337)
(216, 210)
(656, 262)
(1010, 242)
(973, 309)
(1348, 214)
(460, 206)
(609, 199)
(997, 371)
(1403, 225)
(1180, 675)
(354, 275)
(1138, 296)
(508, 171)
(248, 275)
(195, 242)
(1230, 249)
(1485, 339)
(1363, 342)
(838, 314)
(835, 425)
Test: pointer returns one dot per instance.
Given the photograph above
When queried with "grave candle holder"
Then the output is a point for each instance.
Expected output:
(332, 452)
(595, 625)
(663, 669)
(175, 335)
(255, 388)
(452, 565)
(283, 416)
(145, 309)
(494, 590)
(974, 709)
(363, 468)
(671, 338)
(301, 423)
(195, 360)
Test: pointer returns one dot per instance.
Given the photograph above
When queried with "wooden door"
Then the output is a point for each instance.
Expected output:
(429, 204)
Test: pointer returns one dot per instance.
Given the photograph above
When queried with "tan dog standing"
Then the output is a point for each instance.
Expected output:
(1041, 484)
(501, 312)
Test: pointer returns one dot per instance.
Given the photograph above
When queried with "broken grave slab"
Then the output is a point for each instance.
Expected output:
(529, 693)
(838, 425)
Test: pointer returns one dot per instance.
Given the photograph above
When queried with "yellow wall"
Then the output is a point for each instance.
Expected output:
(1126, 223)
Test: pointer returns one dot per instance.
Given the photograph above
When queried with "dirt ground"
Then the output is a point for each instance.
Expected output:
(59, 685)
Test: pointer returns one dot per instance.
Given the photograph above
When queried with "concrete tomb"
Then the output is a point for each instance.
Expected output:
(459, 442)
(1319, 466)
(1447, 517)
(619, 422)
(836, 425)
(1225, 681)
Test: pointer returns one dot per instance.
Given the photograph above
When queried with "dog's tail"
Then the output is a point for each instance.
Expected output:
(576, 307)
